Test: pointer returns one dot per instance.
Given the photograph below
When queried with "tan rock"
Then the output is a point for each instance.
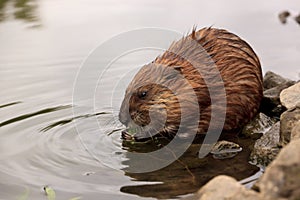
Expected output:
(288, 120)
(290, 96)
(224, 187)
(282, 177)
(296, 131)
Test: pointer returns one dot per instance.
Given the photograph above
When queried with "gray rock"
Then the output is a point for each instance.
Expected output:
(272, 80)
(282, 177)
(224, 187)
(290, 97)
(258, 126)
(266, 148)
(271, 104)
(296, 131)
(273, 85)
(288, 121)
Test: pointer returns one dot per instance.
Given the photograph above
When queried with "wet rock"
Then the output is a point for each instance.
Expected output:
(282, 177)
(290, 97)
(224, 187)
(288, 121)
(283, 16)
(266, 148)
(224, 149)
(296, 131)
(258, 126)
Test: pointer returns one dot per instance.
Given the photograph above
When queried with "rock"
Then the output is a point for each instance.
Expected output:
(296, 131)
(224, 187)
(266, 148)
(281, 179)
(258, 126)
(290, 97)
(275, 91)
(270, 104)
(225, 149)
(283, 16)
(272, 80)
(273, 85)
(288, 121)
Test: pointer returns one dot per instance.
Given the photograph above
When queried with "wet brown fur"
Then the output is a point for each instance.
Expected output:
(237, 64)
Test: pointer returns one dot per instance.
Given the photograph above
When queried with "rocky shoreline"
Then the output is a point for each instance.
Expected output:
(276, 150)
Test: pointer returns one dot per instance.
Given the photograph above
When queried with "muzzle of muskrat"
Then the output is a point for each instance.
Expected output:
(139, 133)
(129, 136)
(135, 132)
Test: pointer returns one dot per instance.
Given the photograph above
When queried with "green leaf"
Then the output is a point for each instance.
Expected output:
(50, 193)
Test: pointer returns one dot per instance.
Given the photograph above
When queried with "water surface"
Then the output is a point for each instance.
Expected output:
(42, 46)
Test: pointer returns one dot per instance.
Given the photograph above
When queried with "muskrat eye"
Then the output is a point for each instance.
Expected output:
(142, 94)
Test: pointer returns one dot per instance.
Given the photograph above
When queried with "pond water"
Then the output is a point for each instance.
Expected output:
(43, 44)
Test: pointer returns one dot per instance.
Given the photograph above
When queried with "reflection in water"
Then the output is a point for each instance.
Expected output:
(69, 120)
(26, 116)
(188, 173)
(10, 104)
(22, 9)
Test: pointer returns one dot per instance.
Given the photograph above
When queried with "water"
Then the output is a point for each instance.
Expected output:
(41, 50)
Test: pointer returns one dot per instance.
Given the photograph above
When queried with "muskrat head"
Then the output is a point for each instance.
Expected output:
(150, 108)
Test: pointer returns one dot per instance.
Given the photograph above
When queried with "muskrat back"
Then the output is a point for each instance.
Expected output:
(154, 89)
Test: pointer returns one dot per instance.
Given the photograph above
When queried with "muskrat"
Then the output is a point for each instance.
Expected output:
(149, 92)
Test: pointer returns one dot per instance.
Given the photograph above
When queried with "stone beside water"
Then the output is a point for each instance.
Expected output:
(273, 85)
(224, 188)
(267, 147)
(225, 149)
(290, 97)
(288, 121)
(281, 179)
(258, 126)
(272, 80)
(296, 131)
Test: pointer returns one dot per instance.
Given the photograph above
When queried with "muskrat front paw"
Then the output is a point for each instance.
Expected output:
(127, 136)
